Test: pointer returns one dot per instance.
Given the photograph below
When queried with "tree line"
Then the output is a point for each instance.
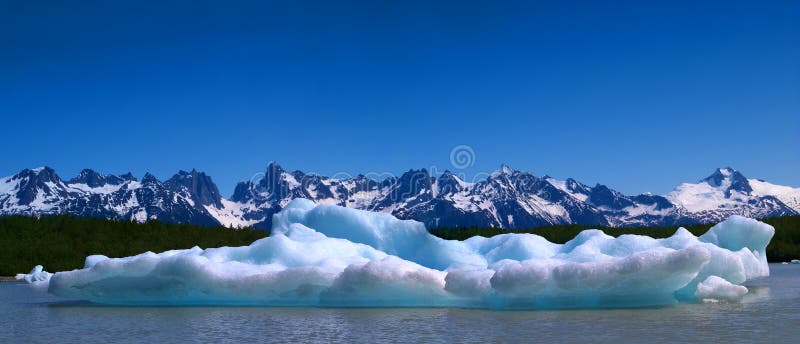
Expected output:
(62, 242)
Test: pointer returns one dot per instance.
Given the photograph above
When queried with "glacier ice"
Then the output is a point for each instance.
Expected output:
(324, 255)
(37, 276)
(718, 289)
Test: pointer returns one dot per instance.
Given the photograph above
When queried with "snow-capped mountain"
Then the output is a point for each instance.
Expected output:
(41, 191)
(506, 198)
(727, 192)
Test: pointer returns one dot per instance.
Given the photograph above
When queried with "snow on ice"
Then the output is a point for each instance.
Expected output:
(324, 255)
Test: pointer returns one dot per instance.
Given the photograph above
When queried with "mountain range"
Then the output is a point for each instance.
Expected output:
(507, 198)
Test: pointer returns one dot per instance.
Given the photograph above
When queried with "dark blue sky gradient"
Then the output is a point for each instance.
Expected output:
(636, 95)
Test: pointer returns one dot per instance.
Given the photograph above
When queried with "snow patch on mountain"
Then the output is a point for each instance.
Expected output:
(103, 190)
(788, 195)
(231, 214)
(704, 197)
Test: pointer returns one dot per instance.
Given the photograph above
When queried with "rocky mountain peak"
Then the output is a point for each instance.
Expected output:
(199, 186)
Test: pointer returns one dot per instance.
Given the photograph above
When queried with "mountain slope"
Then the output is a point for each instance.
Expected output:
(507, 198)
(727, 192)
(41, 191)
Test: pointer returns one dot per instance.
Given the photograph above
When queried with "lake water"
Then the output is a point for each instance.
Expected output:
(770, 313)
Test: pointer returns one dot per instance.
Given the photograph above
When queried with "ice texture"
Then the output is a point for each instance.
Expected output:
(37, 276)
(718, 289)
(324, 255)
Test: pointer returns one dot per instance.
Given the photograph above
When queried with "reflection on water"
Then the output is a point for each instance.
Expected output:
(770, 312)
(756, 293)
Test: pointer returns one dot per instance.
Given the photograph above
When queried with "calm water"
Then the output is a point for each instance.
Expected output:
(769, 313)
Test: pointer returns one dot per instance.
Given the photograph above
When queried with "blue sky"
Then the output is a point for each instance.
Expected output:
(636, 95)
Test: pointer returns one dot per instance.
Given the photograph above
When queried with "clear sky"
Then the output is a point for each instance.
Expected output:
(637, 95)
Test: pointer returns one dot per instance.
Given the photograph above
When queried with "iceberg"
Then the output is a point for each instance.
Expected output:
(325, 255)
(37, 276)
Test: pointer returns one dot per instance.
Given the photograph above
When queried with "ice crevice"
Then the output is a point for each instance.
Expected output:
(325, 255)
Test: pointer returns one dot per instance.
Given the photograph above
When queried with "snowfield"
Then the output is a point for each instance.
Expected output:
(325, 255)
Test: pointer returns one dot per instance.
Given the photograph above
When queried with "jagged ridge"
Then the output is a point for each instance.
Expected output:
(507, 198)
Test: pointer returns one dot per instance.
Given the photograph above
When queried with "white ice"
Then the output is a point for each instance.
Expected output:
(324, 255)
(37, 276)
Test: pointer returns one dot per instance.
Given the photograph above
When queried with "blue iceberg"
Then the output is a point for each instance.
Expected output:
(324, 255)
